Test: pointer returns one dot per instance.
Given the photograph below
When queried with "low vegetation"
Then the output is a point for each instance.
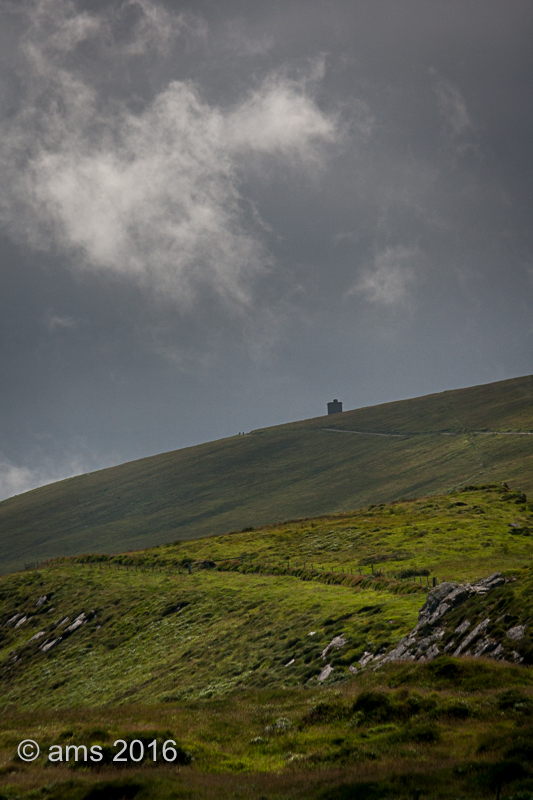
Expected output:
(220, 644)
(427, 445)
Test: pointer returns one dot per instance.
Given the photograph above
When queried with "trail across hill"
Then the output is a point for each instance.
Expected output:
(407, 448)
(432, 433)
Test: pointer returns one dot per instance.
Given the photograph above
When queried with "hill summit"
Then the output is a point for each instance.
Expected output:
(327, 464)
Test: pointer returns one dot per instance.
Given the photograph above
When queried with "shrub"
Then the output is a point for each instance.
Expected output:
(509, 698)
(457, 709)
(423, 734)
(374, 706)
(113, 790)
(503, 772)
(323, 712)
(281, 725)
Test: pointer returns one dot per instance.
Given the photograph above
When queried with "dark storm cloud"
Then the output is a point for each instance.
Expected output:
(218, 214)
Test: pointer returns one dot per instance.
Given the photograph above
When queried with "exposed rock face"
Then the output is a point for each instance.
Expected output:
(366, 658)
(48, 646)
(12, 620)
(80, 620)
(516, 633)
(337, 642)
(37, 636)
(326, 672)
(425, 640)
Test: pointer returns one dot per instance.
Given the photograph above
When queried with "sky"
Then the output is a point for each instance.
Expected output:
(218, 216)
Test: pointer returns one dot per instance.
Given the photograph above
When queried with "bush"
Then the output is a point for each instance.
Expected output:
(374, 706)
(508, 698)
(423, 734)
(114, 791)
(322, 713)
(504, 772)
(457, 709)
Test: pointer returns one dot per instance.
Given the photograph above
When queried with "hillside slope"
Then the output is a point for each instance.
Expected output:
(311, 467)
(256, 654)
(205, 616)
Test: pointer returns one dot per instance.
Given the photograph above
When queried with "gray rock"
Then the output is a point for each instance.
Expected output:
(487, 584)
(498, 653)
(41, 600)
(48, 646)
(443, 598)
(481, 628)
(12, 620)
(37, 636)
(423, 643)
(78, 622)
(337, 642)
(516, 633)
(430, 654)
(463, 627)
(326, 672)
(437, 606)
(485, 647)
(353, 669)
(402, 651)
(365, 658)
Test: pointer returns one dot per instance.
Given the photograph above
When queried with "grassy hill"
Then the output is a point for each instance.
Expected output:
(403, 449)
(218, 644)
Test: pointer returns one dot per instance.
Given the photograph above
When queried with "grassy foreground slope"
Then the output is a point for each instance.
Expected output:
(317, 466)
(249, 602)
(225, 661)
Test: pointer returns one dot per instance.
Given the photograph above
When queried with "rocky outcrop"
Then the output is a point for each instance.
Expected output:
(336, 643)
(80, 620)
(325, 673)
(426, 640)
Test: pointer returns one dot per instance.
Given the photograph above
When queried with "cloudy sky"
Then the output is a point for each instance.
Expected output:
(217, 216)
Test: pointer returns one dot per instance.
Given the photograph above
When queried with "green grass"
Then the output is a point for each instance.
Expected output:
(184, 635)
(463, 536)
(221, 661)
(294, 470)
(295, 743)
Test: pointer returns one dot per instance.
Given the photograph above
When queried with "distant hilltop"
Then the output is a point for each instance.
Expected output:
(407, 448)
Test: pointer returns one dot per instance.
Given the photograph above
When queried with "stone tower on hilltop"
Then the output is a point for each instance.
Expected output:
(335, 407)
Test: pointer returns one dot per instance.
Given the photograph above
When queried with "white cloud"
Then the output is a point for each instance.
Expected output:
(388, 280)
(56, 322)
(452, 107)
(152, 195)
(279, 118)
(16, 480)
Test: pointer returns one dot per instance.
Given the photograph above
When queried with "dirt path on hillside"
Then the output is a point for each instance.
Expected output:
(432, 433)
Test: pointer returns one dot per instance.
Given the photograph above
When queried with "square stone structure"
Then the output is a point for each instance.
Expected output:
(335, 407)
